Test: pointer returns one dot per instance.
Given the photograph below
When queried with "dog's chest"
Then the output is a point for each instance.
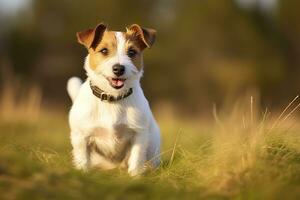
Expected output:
(113, 132)
(112, 143)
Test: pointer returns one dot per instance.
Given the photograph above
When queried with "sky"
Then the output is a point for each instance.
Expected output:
(10, 7)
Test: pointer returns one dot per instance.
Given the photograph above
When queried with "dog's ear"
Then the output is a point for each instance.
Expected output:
(92, 37)
(146, 35)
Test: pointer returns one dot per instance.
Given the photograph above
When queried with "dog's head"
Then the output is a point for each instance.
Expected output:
(115, 61)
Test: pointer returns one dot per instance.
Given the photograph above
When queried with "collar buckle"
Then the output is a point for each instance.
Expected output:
(103, 96)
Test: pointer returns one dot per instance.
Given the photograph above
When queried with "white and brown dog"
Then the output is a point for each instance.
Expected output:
(111, 121)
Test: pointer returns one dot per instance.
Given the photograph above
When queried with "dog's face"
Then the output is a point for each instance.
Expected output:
(115, 60)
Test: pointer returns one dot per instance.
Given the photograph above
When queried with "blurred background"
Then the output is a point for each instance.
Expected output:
(219, 80)
(207, 51)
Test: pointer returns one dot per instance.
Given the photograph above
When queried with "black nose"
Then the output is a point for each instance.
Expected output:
(118, 69)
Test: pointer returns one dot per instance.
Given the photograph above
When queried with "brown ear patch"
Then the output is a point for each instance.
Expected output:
(90, 38)
(85, 37)
(109, 42)
(145, 36)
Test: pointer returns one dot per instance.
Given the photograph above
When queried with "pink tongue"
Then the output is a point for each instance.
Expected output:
(118, 82)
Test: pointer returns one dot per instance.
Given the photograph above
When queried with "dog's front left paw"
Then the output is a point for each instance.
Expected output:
(83, 168)
(137, 171)
(81, 165)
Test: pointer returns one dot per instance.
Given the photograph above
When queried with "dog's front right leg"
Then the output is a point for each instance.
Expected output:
(81, 155)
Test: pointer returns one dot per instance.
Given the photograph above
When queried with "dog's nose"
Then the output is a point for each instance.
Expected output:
(118, 69)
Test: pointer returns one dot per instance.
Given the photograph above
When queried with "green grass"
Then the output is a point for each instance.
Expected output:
(232, 158)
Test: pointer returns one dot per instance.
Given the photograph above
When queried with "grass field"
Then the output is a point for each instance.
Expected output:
(241, 154)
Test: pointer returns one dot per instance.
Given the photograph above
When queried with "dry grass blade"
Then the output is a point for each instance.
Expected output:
(161, 154)
(243, 122)
(264, 116)
(290, 113)
(283, 112)
(251, 110)
(265, 113)
(215, 115)
(174, 147)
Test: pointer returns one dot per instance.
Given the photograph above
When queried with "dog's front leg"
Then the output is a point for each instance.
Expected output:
(81, 155)
(137, 158)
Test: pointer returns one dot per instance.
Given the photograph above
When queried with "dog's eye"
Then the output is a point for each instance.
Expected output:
(131, 53)
(104, 51)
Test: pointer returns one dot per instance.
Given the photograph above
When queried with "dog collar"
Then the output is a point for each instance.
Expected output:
(108, 97)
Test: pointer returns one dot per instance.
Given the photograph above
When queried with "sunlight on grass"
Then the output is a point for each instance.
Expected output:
(242, 154)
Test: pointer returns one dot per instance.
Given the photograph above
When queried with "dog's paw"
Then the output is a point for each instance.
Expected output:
(136, 171)
(83, 168)
(81, 165)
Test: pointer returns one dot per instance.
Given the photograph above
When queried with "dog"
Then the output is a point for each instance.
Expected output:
(111, 123)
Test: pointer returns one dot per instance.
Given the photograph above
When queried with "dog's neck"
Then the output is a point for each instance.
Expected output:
(103, 96)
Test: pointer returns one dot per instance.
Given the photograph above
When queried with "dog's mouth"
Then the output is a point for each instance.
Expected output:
(116, 83)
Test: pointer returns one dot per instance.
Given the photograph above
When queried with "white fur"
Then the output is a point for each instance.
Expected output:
(73, 87)
(89, 113)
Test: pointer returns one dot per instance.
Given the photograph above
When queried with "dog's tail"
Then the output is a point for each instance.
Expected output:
(73, 87)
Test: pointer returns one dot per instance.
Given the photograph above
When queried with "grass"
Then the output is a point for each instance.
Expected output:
(240, 155)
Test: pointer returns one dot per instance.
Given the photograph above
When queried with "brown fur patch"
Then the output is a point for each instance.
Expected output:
(134, 43)
(108, 41)
(145, 35)
(91, 37)
(139, 38)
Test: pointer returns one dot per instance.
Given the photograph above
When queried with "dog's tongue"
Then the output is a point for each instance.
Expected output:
(117, 82)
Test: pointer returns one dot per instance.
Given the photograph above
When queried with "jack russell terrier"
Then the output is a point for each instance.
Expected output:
(111, 121)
